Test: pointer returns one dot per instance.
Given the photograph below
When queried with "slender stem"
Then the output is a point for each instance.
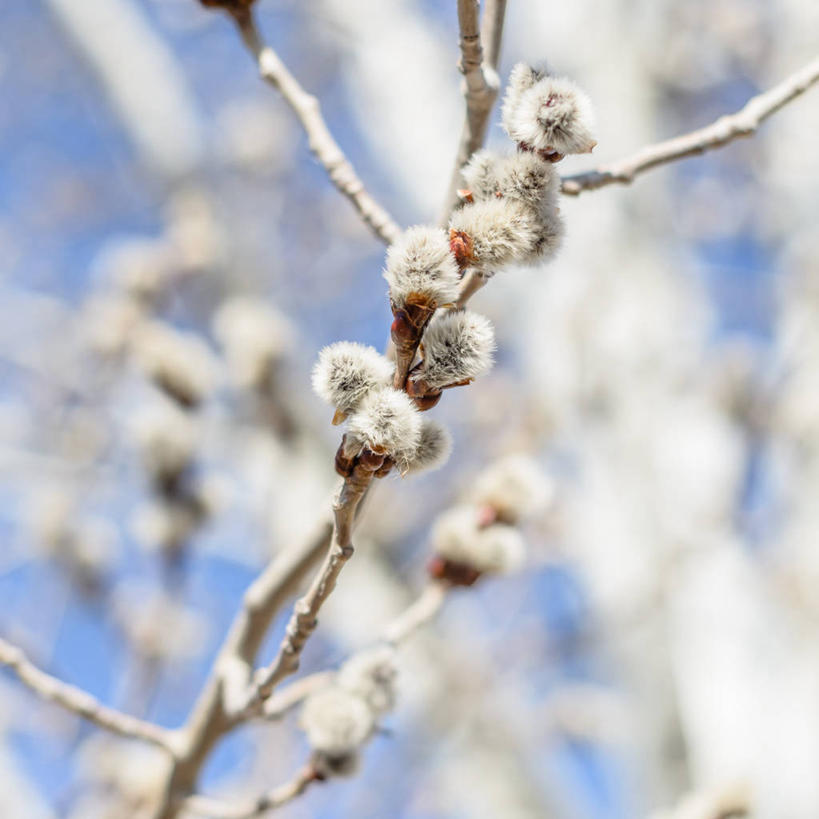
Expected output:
(80, 702)
(283, 701)
(724, 130)
(471, 283)
(480, 83)
(210, 718)
(304, 620)
(418, 614)
(320, 139)
(494, 12)
(217, 809)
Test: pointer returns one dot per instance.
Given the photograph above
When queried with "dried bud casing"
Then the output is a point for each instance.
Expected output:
(422, 275)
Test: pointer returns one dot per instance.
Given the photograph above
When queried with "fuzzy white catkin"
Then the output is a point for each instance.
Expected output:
(552, 114)
(502, 232)
(419, 262)
(109, 323)
(371, 676)
(514, 487)
(336, 721)
(458, 344)
(347, 371)
(387, 421)
(457, 537)
(434, 447)
(166, 437)
(521, 176)
(253, 335)
(180, 363)
(481, 174)
(521, 78)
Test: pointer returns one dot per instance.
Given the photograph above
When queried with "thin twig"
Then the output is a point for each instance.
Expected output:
(423, 609)
(471, 283)
(303, 621)
(494, 13)
(726, 129)
(480, 82)
(283, 701)
(217, 809)
(80, 702)
(210, 718)
(321, 141)
(418, 614)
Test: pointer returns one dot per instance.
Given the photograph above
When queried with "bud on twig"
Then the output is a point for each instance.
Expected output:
(423, 276)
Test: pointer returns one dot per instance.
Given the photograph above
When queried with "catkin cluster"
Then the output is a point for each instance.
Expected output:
(481, 535)
(339, 719)
(508, 215)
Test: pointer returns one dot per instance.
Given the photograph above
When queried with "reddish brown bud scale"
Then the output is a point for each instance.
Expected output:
(406, 331)
(230, 5)
(426, 402)
(344, 463)
(487, 515)
(546, 154)
(456, 574)
(371, 461)
(424, 396)
(385, 468)
(460, 244)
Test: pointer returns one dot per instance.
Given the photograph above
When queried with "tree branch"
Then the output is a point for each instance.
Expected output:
(417, 614)
(217, 809)
(480, 84)
(304, 620)
(494, 12)
(321, 142)
(726, 129)
(210, 719)
(277, 705)
(80, 702)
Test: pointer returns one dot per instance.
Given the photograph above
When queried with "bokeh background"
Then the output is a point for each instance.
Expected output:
(156, 200)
